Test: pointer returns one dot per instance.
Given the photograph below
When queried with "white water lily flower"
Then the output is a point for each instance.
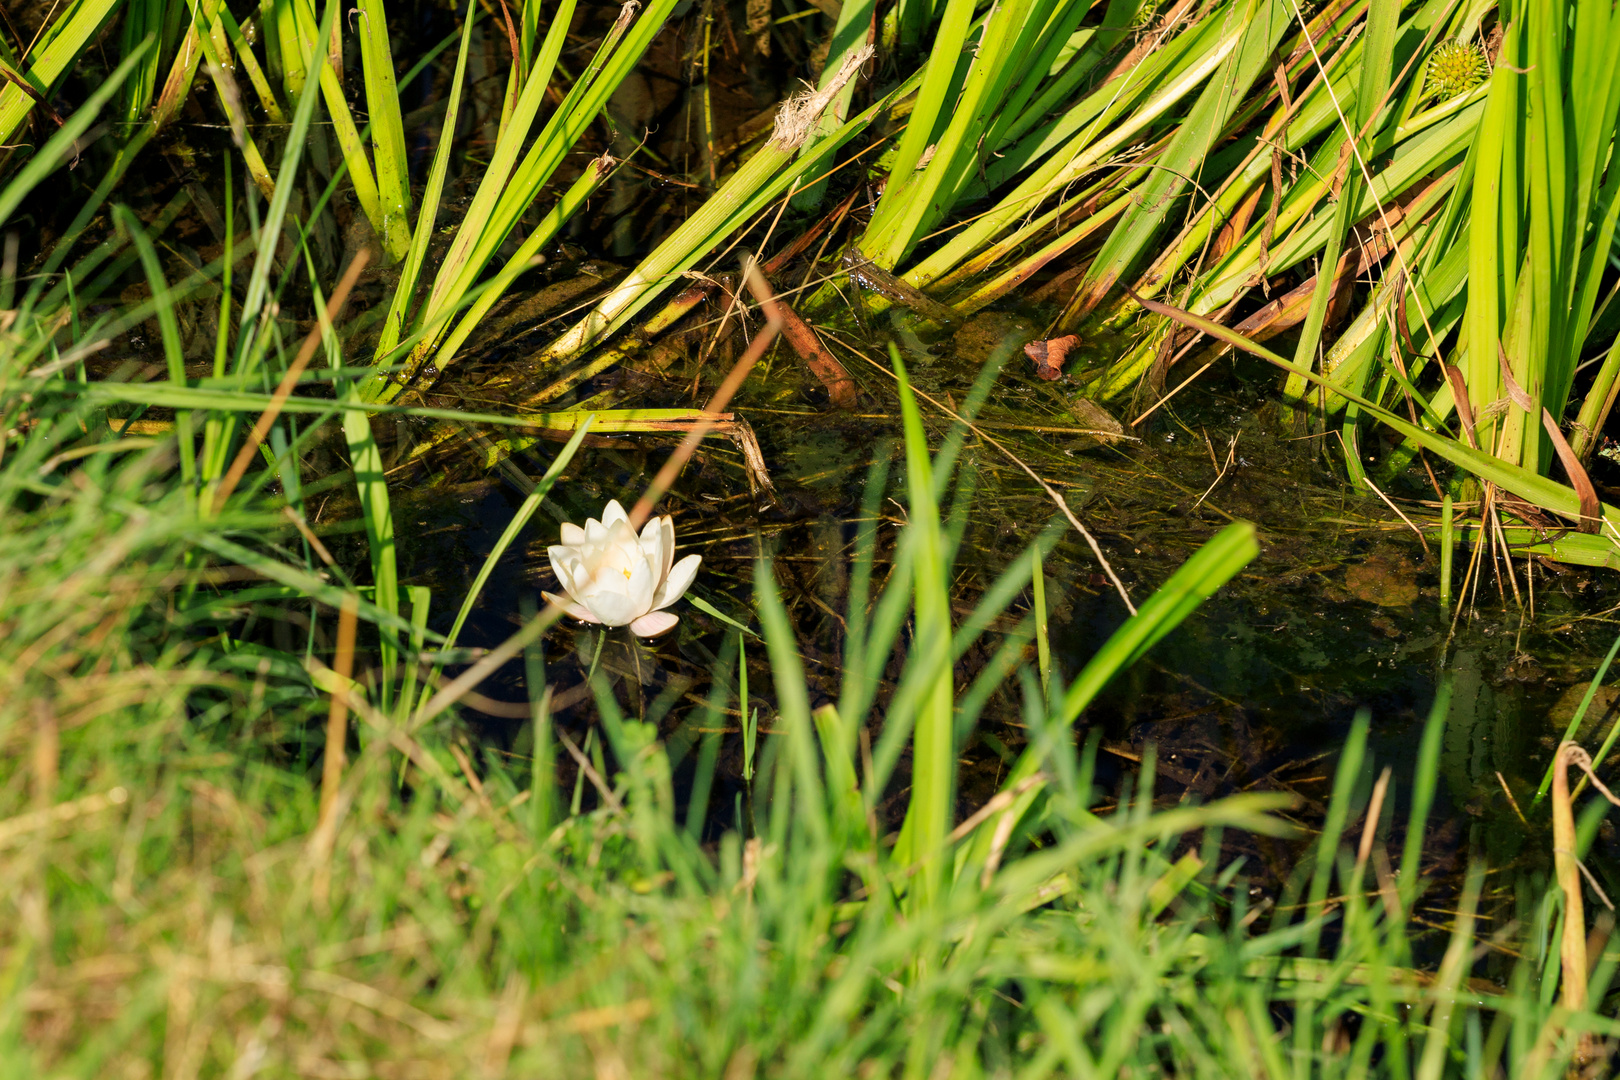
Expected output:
(615, 578)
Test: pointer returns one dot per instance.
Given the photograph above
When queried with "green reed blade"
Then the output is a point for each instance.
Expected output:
(1209, 568)
(282, 23)
(1574, 724)
(371, 485)
(420, 597)
(427, 215)
(51, 58)
(141, 18)
(887, 236)
(1448, 548)
(1006, 588)
(792, 702)
(1362, 143)
(306, 583)
(1088, 149)
(275, 213)
(933, 771)
(860, 586)
(362, 180)
(579, 192)
(1599, 401)
(509, 184)
(163, 395)
(1043, 645)
(1492, 229)
(1048, 38)
(1264, 22)
(169, 331)
(1345, 777)
(848, 37)
(215, 52)
(1079, 123)
(251, 342)
(1454, 966)
(182, 70)
(713, 717)
(750, 717)
(387, 129)
(250, 63)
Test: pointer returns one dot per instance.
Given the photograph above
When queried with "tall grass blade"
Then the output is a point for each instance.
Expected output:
(933, 775)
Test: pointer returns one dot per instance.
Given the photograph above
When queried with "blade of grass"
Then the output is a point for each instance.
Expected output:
(933, 771)
(793, 704)
(387, 129)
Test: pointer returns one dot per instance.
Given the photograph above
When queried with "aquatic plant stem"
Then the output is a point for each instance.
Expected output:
(596, 657)
(750, 726)
(1043, 645)
(1448, 547)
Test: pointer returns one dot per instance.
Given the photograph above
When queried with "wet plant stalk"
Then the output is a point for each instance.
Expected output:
(749, 726)
(1448, 547)
(1043, 645)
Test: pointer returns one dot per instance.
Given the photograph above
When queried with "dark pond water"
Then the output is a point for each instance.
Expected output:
(1256, 691)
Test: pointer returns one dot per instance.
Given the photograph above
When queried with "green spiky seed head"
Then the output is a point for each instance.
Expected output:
(1456, 67)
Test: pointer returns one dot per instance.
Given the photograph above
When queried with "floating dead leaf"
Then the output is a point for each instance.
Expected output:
(1049, 355)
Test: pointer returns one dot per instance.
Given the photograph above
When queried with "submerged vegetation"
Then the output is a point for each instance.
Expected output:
(281, 284)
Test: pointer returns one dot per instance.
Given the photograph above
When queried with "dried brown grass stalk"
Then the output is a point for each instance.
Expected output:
(337, 737)
(1568, 870)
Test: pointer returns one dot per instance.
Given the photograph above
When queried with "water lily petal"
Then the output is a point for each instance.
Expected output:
(620, 534)
(621, 589)
(572, 535)
(590, 556)
(596, 534)
(679, 580)
(563, 563)
(583, 614)
(614, 512)
(652, 548)
(642, 585)
(666, 529)
(654, 623)
(612, 606)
